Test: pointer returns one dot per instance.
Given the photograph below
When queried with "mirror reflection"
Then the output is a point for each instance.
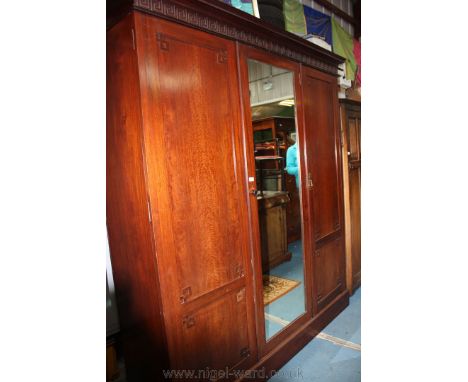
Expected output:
(278, 193)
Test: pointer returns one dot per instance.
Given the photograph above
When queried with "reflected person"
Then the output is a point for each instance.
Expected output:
(292, 164)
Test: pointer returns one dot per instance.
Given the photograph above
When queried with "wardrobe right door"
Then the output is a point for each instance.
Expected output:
(324, 184)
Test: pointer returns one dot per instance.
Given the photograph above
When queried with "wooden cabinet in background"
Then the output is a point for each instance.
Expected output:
(351, 130)
(280, 128)
(272, 207)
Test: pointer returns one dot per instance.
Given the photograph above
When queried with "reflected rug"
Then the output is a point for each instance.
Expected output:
(274, 287)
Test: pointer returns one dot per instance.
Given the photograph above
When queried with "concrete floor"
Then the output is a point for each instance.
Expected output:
(334, 355)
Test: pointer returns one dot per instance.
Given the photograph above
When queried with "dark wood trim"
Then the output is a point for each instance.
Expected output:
(354, 164)
(214, 295)
(325, 300)
(116, 10)
(356, 281)
(347, 101)
(301, 337)
(357, 17)
(329, 237)
(337, 11)
(215, 17)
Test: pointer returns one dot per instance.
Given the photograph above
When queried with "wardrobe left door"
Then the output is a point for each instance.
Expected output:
(198, 195)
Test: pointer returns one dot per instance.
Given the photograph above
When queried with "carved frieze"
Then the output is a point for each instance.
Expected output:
(179, 12)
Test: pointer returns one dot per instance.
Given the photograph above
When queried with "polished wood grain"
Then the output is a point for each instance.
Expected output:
(197, 189)
(321, 153)
(347, 214)
(207, 339)
(130, 234)
(351, 130)
(321, 116)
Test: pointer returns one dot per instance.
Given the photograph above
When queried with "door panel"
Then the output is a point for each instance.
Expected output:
(200, 158)
(321, 153)
(330, 271)
(325, 189)
(224, 349)
(191, 113)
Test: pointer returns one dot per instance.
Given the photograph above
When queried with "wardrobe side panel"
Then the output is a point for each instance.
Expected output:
(354, 144)
(192, 122)
(129, 230)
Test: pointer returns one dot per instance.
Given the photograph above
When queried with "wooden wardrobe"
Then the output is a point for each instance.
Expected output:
(181, 214)
(351, 142)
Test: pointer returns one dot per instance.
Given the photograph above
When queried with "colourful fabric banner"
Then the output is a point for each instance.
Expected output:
(294, 18)
(243, 5)
(357, 56)
(343, 45)
(318, 24)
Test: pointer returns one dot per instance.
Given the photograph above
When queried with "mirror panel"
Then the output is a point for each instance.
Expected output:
(278, 194)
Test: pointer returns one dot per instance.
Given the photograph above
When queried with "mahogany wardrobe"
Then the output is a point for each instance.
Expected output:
(184, 201)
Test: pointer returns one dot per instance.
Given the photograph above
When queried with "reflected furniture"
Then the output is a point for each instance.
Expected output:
(281, 128)
(272, 221)
(180, 181)
(270, 173)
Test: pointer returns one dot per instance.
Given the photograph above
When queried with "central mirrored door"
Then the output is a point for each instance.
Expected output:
(277, 187)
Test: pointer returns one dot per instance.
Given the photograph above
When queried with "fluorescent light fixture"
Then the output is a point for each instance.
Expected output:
(287, 102)
(267, 85)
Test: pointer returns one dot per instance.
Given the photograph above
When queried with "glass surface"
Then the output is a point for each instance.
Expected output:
(278, 194)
